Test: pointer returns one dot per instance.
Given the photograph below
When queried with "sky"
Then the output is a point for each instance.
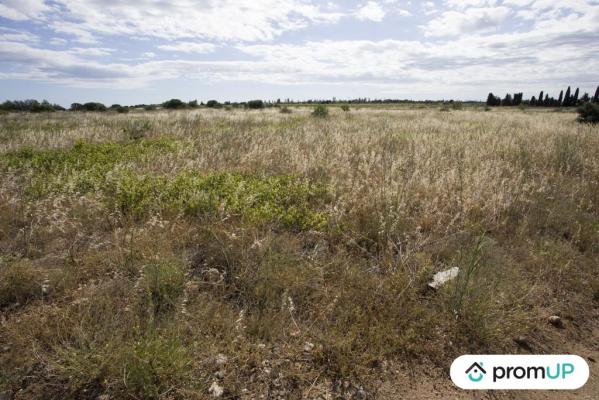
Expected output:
(148, 51)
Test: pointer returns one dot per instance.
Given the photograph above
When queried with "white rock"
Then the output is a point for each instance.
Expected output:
(441, 278)
(221, 359)
(216, 390)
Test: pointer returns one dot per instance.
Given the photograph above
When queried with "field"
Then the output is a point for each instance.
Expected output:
(257, 254)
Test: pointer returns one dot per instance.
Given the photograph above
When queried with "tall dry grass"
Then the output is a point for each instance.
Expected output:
(302, 257)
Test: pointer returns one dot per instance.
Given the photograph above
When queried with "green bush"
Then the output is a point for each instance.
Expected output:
(255, 104)
(160, 287)
(345, 107)
(137, 129)
(588, 113)
(285, 110)
(174, 104)
(18, 283)
(320, 111)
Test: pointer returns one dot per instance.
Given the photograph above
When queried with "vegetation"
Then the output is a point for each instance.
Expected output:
(567, 100)
(174, 104)
(320, 111)
(30, 106)
(588, 113)
(255, 104)
(156, 255)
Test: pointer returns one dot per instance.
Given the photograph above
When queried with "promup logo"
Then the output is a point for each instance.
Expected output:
(519, 372)
(476, 372)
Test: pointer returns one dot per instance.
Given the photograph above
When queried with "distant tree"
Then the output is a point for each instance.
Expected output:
(596, 96)
(540, 101)
(33, 106)
(493, 100)
(567, 98)
(212, 104)
(193, 104)
(585, 98)
(518, 98)
(561, 98)
(255, 104)
(533, 101)
(91, 106)
(546, 102)
(507, 100)
(575, 98)
(174, 104)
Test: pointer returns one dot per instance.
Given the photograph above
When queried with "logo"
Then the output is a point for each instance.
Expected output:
(476, 372)
(555, 372)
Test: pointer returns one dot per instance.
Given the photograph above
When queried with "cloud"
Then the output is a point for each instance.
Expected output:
(189, 47)
(20, 10)
(467, 44)
(371, 11)
(452, 23)
(224, 20)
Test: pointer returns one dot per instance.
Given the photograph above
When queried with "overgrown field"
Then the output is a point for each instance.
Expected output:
(175, 254)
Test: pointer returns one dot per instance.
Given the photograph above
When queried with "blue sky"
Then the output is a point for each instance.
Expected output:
(146, 51)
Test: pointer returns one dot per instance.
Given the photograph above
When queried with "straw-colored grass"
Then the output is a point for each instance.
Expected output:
(157, 254)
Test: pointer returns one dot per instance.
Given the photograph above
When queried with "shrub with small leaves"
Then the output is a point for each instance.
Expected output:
(320, 111)
(345, 107)
(588, 113)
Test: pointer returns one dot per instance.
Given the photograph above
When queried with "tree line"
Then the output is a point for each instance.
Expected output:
(567, 99)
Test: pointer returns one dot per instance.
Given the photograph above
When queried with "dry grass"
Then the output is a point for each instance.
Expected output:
(139, 249)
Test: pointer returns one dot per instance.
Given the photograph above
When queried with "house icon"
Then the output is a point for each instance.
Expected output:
(476, 372)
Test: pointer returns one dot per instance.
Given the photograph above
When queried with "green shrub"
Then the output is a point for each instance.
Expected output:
(137, 129)
(160, 286)
(345, 107)
(152, 366)
(18, 283)
(285, 110)
(320, 111)
(255, 104)
(174, 104)
(588, 113)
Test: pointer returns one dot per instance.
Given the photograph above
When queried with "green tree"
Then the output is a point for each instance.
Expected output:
(567, 98)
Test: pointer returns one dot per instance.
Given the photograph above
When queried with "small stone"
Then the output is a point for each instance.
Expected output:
(308, 347)
(212, 275)
(441, 278)
(556, 321)
(522, 341)
(216, 390)
(219, 374)
(221, 359)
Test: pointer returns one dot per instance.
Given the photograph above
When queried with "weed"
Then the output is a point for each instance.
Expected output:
(320, 111)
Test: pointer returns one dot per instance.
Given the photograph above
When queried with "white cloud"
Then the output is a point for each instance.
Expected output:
(90, 51)
(20, 10)
(371, 11)
(451, 23)
(224, 20)
(189, 47)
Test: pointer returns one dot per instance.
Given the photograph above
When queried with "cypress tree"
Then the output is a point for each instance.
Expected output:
(575, 98)
(567, 98)
(546, 102)
(533, 101)
(585, 98)
(540, 102)
(596, 96)
(561, 98)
